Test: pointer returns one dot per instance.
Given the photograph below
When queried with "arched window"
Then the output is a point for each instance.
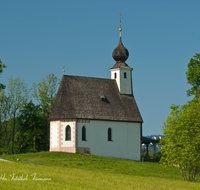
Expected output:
(68, 133)
(109, 134)
(125, 75)
(115, 75)
(83, 133)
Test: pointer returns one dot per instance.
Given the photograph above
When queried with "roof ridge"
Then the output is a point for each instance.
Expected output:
(88, 77)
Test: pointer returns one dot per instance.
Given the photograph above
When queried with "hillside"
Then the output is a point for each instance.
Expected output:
(77, 171)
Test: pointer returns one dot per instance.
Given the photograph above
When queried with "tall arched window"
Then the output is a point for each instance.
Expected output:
(115, 75)
(109, 134)
(68, 133)
(125, 75)
(83, 133)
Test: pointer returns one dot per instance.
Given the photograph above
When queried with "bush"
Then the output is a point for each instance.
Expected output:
(158, 155)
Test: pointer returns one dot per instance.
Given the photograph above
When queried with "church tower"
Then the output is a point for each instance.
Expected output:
(121, 72)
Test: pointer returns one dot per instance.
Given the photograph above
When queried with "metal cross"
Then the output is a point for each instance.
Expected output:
(120, 21)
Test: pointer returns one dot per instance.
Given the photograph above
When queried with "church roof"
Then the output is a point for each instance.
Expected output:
(120, 64)
(93, 98)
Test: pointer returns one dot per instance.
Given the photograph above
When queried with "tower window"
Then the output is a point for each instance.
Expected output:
(83, 133)
(115, 75)
(125, 75)
(109, 134)
(68, 133)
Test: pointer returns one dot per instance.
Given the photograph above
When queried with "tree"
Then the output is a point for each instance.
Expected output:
(4, 117)
(181, 145)
(18, 94)
(193, 75)
(31, 135)
(1, 71)
(45, 93)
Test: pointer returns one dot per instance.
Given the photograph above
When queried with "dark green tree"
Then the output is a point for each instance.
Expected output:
(31, 134)
(5, 104)
(2, 66)
(193, 75)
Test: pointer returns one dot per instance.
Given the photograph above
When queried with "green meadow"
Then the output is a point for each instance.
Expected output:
(53, 170)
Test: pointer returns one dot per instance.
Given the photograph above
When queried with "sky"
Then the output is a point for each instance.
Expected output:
(40, 37)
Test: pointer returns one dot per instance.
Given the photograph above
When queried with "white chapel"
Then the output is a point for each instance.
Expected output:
(96, 115)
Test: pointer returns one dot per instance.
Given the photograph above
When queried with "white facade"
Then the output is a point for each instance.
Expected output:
(126, 139)
(123, 78)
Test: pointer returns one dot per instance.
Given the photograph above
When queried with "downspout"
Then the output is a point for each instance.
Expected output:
(131, 84)
(140, 141)
(76, 138)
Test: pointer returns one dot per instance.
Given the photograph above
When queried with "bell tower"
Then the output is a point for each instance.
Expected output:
(121, 72)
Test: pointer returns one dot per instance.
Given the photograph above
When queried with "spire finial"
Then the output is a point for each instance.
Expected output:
(120, 22)
(120, 53)
(64, 70)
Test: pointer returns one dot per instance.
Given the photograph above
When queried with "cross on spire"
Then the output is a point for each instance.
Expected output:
(120, 22)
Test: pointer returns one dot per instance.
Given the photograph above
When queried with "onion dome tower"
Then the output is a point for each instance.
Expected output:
(120, 53)
(121, 72)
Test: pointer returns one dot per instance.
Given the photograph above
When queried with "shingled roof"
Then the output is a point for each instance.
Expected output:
(93, 98)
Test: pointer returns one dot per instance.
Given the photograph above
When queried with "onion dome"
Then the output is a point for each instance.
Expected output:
(120, 53)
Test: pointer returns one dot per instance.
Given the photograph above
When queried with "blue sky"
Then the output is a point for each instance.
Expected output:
(40, 37)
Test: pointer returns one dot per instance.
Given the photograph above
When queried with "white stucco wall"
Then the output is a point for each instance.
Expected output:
(124, 84)
(126, 139)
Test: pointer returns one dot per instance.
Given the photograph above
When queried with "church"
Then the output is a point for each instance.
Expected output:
(96, 115)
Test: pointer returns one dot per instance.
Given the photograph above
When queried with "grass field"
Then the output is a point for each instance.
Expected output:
(77, 171)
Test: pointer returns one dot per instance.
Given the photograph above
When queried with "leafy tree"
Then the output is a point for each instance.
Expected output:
(181, 145)
(18, 95)
(45, 93)
(31, 135)
(2, 65)
(158, 155)
(193, 75)
(4, 117)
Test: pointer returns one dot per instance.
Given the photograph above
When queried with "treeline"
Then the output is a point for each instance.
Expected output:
(24, 125)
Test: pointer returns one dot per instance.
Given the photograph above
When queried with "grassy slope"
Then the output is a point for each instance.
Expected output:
(74, 171)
